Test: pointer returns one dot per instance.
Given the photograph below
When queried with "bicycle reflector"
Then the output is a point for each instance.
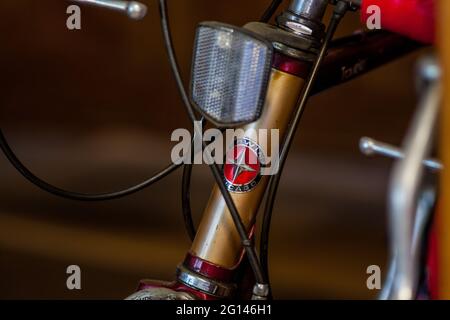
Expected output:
(230, 73)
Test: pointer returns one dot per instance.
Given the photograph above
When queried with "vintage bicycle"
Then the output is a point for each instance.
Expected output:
(259, 77)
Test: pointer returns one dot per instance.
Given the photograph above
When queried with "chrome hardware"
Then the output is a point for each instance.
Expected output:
(260, 291)
(370, 147)
(423, 214)
(304, 18)
(285, 42)
(204, 284)
(405, 185)
(308, 8)
(133, 9)
(427, 71)
(161, 294)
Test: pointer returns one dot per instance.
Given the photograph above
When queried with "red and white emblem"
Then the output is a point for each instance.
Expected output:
(242, 168)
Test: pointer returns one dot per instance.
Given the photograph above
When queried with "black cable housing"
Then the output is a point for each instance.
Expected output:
(339, 11)
(186, 201)
(27, 174)
(270, 11)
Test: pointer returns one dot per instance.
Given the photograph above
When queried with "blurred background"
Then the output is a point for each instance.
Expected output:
(93, 110)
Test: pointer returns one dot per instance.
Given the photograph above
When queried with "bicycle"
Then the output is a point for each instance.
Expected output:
(282, 66)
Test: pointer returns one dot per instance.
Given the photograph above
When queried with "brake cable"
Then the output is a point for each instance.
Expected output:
(249, 248)
(258, 269)
(270, 11)
(25, 172)
(40, 183)
(339, 11)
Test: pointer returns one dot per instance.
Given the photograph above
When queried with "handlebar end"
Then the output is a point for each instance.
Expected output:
(366, 145)
(136, 10)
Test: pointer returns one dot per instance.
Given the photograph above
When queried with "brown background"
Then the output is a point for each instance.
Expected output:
(92, 111)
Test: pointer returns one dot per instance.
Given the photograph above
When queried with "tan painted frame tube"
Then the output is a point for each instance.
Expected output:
(443, 227)
(217, 240)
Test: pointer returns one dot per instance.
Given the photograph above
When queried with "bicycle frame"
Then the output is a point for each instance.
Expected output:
(218, 262)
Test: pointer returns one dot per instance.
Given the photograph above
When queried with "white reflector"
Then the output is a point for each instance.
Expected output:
(230, 72)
